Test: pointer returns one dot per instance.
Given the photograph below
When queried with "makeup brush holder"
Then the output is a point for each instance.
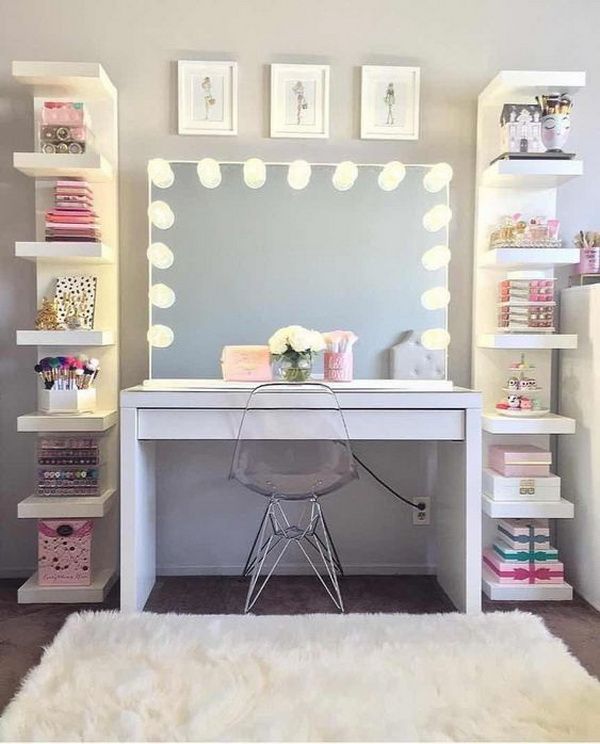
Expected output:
(67, 401)
(337, 366)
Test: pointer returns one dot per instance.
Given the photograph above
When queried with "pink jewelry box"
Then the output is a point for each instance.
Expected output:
(64, 552)
(506, 572)
(519, 460)
(246, 363)
(524, 533)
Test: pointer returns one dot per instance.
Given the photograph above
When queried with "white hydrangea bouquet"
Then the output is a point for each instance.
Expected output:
(292, 349)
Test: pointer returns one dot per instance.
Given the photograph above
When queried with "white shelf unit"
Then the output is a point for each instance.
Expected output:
(506, 187)
(50, 507)
(65, 338)
(65, 252)
(89, 83)
(562, 509)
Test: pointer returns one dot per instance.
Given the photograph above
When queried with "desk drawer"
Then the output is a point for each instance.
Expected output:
(214, 423)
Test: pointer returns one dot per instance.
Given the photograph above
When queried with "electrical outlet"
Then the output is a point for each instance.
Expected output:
(422, 517)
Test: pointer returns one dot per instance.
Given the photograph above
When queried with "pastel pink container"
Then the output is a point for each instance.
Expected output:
(519, 460)
(506, 572)
(337, 366)
(64, 552)
(589, 262)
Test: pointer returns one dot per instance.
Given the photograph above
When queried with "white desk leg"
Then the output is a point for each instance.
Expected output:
(138, 515)
(458, 516)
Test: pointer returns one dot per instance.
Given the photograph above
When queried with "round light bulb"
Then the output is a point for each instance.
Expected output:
(209, 173)
(345, 175)
(161, 215)
(299, 174)
(255, 173)
(436, 258)
(160, 173)
(435, 339)
(160, 256)
(437, 217)
(391, 175)
(160, 336)
(437, 177)
(161, 296)
(435, 298)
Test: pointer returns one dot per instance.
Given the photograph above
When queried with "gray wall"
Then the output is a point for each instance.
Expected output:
(459, 44)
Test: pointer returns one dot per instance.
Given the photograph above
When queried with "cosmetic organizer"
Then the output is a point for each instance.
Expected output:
(337, 366)
(69, 466)
(518, 488)
(67, 401)
(64, 128)
(526, 303)
(64, 552)
(514, 460)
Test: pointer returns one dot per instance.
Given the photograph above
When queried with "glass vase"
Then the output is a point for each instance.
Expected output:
(293, 367)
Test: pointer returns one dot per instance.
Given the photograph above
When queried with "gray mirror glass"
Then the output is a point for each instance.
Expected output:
(248, 261)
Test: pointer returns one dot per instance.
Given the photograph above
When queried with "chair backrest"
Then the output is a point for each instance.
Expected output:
(293, 442)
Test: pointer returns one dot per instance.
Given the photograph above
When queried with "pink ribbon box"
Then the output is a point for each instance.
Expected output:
(506, 572)
(524, 533)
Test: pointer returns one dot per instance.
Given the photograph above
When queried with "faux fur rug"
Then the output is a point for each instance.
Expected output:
(495, 677)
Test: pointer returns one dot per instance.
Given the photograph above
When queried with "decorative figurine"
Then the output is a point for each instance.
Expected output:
(47, 316)
(519, 400)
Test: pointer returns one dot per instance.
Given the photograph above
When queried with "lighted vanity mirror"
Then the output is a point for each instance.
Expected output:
(238, 250)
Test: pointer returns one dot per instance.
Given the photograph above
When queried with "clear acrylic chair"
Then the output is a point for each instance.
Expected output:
(293, 446)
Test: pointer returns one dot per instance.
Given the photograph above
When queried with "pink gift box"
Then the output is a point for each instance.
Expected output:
(64, 552)
(337, 366)
(519, 460)
(506, 572)
(524, 533)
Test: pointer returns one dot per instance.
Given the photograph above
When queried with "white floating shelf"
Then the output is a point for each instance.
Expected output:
(527, 341)
(520, 86)
(97, 421)
(529, 258)
(65, 252)
(48, 507)
(524, 592)
(562, 509)
(531, 174)
(32, 593)
(79, 79)
(89, 165)
(552, 423)
(65, 338)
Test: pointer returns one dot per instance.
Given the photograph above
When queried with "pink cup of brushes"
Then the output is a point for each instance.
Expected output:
(337, 360)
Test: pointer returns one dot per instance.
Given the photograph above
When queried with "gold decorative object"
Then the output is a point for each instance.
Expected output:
(47, 316)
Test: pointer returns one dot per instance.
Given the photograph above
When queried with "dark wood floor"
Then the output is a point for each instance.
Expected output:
(26, 629)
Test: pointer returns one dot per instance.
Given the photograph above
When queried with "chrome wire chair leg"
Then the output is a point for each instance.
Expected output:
(275, 528)
(250, 559)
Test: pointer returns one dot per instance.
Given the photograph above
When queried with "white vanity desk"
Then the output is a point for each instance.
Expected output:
(374, 410)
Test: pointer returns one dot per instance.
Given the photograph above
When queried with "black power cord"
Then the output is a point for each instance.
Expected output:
(419, 506)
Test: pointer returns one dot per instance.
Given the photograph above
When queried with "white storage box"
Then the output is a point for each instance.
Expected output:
(67, 401)
(506, 488)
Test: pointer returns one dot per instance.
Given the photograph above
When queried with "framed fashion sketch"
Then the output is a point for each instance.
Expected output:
(300, 101)
(207, 97)
(389, 102)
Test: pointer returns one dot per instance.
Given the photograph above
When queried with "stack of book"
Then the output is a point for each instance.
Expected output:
(73, 217)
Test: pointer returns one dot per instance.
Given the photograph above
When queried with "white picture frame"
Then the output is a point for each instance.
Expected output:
(207, 97)
(300, 101)
(389, 102)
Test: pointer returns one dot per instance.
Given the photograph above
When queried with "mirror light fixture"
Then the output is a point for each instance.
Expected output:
(299, 173)
(160, 256)
(435, 339)
(160, 336)
(435, 298)
(436, 257)
(437, 217)
(161, 215)
(161, 296)
(345, 175)
(391, 175)
(209, 173)
(160, 173)
(255, 173)
(437, 177)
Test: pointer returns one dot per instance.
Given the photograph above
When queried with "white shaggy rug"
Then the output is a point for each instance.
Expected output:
(497, 677)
